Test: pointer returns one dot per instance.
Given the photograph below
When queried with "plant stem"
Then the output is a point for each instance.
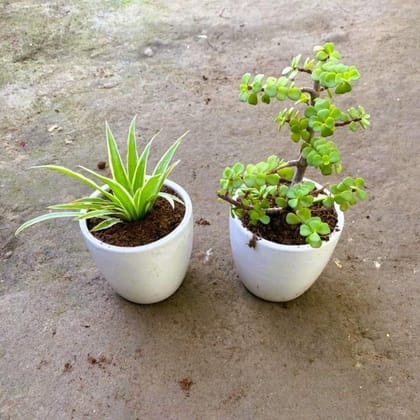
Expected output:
(302, 164)
(341, 124)
(301, 69)
(300, 170)
(238, 204)
(288, 164)
(311, 92)
(234, 202)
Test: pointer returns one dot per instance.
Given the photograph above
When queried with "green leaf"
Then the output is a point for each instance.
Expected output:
(286, 173)
(295, 137)
(294, 93)
(250, 180)
(330, 123)
(79, 177)
(304, 214)
(145, 197)
(265, 99)
(328, 202)
(293, 203)
(141, 167)
(272, 179)
(243, 96)
(105, 224)
(329, 80)
(282, 82)
(100, 214)
(270, 90)
(328, 47)
(47, 216)
(306, 135)
(281, 202)
(305, 230)
(260, 179)
(79, 205)
(359, 182)
(170, 198)
(120, 194)
(310, 111)
(165, 160)
(306, 201)
(257, 83)
(361, 194)
(118, 171)
(314, 240)
(326, 131)
(321, 55)
(287, 70)
(238, 168)
(253, 99)
(323, 229)
(265, 219)
(347, 195)
(323, 114)
(315, 125)
(281, 93)
(245, 78)
(131, 151)
(292, 219)
(343, 87)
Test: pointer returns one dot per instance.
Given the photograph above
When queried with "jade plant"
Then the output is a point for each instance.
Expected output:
(258, 191)
(128, 195)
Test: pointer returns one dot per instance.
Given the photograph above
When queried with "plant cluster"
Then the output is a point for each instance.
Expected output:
(274, 185)
(128, 195)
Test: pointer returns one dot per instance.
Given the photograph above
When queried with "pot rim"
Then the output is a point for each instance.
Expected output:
(334, 235)
(122, 249)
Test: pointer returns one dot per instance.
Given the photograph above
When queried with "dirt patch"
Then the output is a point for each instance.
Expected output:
(279, 231)
(159, 222)
(202, 222)
(186, 384)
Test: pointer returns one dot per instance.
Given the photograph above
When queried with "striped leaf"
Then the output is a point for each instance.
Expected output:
(116, 165)
(47, 216)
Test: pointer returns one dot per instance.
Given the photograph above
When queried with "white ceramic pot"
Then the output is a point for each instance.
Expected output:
(147, 273)
(275, 272)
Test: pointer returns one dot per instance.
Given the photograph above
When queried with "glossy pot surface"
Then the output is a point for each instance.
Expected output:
(276, 272)
(147, 273)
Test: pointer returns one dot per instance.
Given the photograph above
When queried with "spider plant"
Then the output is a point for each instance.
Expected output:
(128, 195)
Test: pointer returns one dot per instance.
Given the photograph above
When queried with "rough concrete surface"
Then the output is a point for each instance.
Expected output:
(70, 348)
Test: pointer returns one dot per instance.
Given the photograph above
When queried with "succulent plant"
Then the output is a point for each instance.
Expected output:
(274, 185)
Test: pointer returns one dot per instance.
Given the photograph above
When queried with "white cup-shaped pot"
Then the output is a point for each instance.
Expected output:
(147, 273)
(275, 272)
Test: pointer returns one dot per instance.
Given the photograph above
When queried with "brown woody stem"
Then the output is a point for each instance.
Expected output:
(341, 124)
(234, 202)
(301, 69)
(238, 204)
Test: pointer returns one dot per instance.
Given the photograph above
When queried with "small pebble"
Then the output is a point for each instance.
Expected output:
(101, 164)
(148, 52)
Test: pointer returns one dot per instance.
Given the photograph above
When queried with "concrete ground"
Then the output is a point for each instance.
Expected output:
(70, 348)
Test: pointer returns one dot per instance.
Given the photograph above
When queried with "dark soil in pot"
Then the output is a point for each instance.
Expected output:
(279, 231)
(159, 222)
